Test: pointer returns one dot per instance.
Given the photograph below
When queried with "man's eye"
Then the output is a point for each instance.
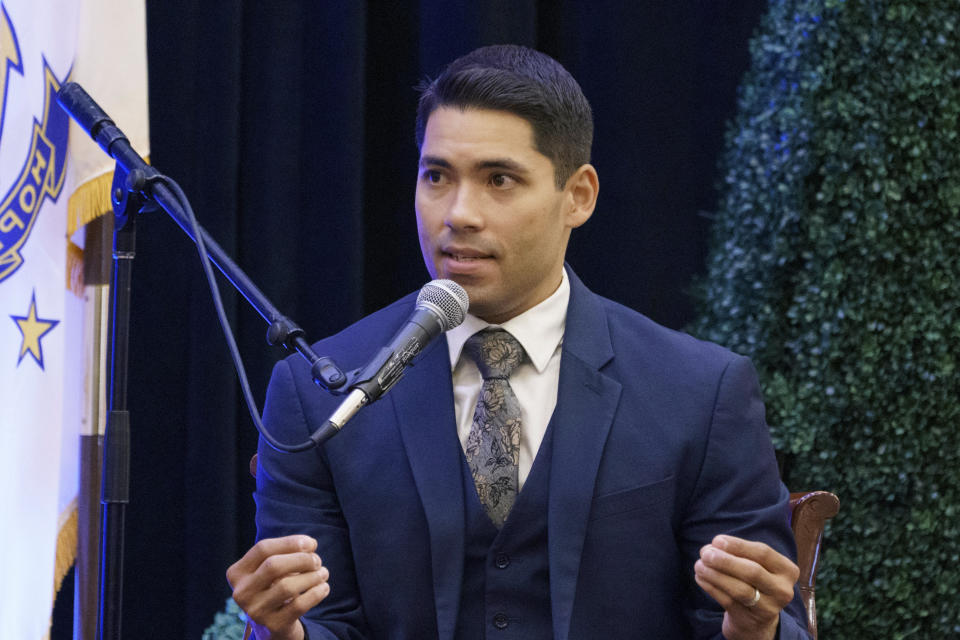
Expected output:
(432, 176)
(502, 181)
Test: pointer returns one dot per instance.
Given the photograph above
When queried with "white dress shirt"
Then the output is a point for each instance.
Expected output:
(535, 382)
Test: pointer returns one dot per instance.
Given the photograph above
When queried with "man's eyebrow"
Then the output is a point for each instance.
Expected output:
(501, 163)
(436, 161)
(482, 165)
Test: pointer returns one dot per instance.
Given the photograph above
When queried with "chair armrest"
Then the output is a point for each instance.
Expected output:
(809, 512)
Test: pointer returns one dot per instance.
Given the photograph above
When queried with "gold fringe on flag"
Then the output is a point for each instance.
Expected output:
(74, 269)
(88, 202)
(66, 546)
(66, 554)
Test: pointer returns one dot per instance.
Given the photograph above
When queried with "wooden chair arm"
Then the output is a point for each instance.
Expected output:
(809, 512)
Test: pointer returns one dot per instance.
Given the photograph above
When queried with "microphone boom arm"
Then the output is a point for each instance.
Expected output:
(143, 179)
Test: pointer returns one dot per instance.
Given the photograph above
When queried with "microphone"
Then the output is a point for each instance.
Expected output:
(441, 306)
(98, 125)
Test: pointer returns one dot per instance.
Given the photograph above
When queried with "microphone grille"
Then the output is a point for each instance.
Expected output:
(448, 299)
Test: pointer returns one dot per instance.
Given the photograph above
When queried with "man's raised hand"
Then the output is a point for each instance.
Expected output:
(751, 581)
(276, 582)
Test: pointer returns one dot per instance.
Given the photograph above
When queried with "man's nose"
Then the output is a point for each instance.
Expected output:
(465, 209)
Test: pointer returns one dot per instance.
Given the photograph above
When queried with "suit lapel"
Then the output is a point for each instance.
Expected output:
(586, 403)
(427, 425)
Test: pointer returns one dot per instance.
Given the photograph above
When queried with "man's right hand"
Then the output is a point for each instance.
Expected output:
(276, 582)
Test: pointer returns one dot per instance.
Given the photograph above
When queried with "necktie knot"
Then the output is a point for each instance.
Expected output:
(496, 352)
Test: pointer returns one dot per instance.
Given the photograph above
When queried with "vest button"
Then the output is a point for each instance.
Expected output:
(500, 621)
(502, 561)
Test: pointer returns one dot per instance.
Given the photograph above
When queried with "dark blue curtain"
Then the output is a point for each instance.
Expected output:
(290, 126)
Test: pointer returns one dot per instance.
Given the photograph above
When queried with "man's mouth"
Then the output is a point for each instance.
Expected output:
(460, 258)
(462, 255)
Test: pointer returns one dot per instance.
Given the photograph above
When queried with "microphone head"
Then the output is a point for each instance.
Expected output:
(447, 299)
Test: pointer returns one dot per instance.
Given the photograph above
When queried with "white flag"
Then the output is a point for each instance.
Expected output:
(47, 162)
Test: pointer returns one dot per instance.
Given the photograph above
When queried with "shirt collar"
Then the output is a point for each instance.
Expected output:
(538, 329)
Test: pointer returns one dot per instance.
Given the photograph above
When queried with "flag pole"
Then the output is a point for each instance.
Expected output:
(97, 272)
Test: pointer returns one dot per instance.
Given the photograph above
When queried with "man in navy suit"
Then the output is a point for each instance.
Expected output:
(646, 501)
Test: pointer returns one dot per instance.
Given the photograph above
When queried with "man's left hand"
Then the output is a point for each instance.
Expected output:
(751, 581)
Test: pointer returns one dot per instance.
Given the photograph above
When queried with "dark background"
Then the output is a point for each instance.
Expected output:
(290, 126)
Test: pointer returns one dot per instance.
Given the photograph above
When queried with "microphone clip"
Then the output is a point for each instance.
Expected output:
(380, 374)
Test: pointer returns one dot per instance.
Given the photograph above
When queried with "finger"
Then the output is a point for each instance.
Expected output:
(275, 546)
(278, 567)
(754, 563)
(727, 590)
(265, 548)
(723, 598)
(742, 618)
(742, 570)
(750, 572)
(251, 590)
(286, 618)
(288, 589)
(274, 603)
(759, 552)
(308, 599)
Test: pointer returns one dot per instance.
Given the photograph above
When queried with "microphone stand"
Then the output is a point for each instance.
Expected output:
(135, 184)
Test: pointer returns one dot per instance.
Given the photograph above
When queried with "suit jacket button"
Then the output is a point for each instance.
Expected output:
(500, 621)
(502, 561)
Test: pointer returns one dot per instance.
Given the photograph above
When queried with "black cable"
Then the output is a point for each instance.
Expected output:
(224, 323)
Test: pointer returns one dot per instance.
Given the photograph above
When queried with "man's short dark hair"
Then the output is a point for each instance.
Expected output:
(528, 84)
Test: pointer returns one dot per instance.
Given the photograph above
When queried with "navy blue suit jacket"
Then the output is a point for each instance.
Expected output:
(659, 444)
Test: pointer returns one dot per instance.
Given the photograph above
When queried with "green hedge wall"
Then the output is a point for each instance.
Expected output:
(835, 265)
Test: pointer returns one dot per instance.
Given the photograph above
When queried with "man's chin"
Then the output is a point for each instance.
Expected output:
(484, 307)
(474, 284)
(478, 301)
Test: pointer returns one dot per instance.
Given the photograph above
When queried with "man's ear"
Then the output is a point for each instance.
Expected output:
(581, 190)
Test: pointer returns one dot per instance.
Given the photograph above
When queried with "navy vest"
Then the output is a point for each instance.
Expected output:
(506, 577)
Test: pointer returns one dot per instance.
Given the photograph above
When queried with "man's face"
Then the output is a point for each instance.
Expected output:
(489, 214)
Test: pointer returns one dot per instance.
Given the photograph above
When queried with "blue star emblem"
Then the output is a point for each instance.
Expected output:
(33, 329)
